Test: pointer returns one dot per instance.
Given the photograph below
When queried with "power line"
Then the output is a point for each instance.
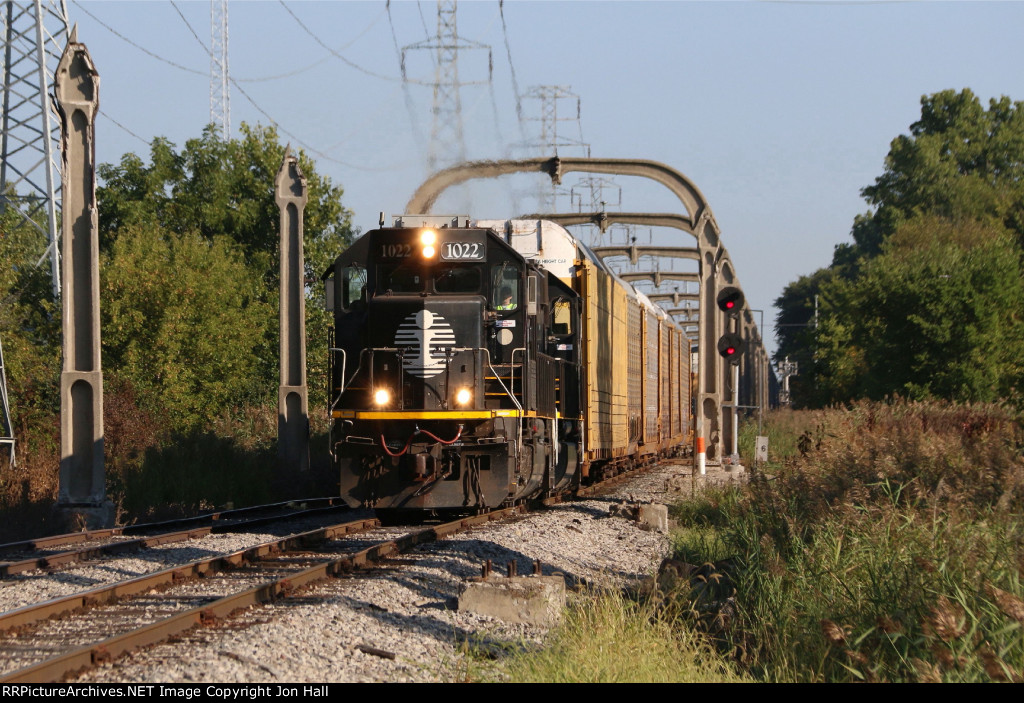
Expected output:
(308, 147)
(141, 48)
(333, 52)
(409, 105)
(257, 79)
(124, 128)
(512, 68)
(235, 82)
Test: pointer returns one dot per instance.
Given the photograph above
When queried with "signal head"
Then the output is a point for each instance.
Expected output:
(731, 347)
(730, 300)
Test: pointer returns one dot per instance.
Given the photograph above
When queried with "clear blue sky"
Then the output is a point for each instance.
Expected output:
(780, 112)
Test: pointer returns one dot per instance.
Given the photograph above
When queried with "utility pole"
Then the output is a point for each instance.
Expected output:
(35, 33)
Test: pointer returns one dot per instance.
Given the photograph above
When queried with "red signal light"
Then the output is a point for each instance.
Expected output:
(730, 299)
(731, 346)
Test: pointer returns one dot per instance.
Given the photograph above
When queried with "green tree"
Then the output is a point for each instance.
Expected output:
(939, 312)
(953, 187)
(221, 191)
(216, 187)
(29, 323)
(183, 322)
(960, 161)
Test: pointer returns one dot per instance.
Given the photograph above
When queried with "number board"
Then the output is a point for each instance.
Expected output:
(464, 247)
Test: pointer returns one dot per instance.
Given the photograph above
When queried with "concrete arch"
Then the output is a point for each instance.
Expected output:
(696, 205)
(699, 221)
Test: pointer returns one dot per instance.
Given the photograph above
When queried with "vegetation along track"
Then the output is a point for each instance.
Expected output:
(49, 640)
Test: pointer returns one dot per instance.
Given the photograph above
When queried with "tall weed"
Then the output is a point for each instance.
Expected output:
(607, 637)
(890, 550)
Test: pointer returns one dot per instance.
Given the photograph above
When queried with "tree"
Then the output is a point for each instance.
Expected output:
(220, 192)
(29, 322)
(183, 322)
(215, 187)
(891, 319)
(940, 312)
(960, 162)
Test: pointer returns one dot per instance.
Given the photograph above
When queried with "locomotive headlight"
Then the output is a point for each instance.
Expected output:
(382, 396)
(428, 238)
(463, 396)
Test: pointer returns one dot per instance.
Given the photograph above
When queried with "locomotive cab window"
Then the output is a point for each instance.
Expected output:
(505, 288)
(353, 286)
(457, 279)
(399, 278)
(562, 317)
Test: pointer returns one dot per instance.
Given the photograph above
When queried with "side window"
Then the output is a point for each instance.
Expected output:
(353, 286)
(562, 318)
(505, 287)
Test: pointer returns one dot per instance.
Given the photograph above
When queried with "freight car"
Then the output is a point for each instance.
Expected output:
(475, 364)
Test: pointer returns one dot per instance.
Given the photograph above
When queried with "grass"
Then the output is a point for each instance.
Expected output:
(609, 637)
(891, 548)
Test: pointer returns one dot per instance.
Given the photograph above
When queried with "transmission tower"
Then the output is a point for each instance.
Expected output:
(447, 141)
(220, 86)
(35, 34)
(548, 139)
(550, 98)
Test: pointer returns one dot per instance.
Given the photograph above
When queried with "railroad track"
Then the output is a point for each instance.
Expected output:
(47, 641)
(62, 550)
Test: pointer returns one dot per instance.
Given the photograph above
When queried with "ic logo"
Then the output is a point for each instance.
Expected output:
(424, 335)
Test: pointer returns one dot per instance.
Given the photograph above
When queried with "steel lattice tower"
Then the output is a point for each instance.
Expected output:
(447, 142)
(549, 141)
(220, 82)
(35, 34)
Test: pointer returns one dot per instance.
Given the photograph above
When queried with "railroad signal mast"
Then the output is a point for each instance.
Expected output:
(786, 369)
(731, 346)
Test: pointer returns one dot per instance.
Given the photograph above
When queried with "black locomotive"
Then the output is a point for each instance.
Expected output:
(455, 370)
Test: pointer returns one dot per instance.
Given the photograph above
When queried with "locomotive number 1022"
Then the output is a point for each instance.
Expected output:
(462, 251)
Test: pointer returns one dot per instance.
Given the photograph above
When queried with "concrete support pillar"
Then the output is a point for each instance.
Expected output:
(82, 477)
(293, 396)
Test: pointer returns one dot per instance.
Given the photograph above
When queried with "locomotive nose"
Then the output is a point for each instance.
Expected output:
(433, 338)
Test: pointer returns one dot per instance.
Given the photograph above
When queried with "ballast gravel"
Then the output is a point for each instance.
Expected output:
(400, 623)
(35, 586)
